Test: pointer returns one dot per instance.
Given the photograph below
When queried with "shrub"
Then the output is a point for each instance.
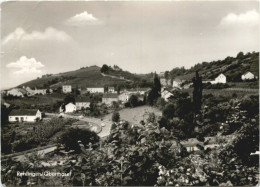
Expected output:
(71, 137)
(115, 117)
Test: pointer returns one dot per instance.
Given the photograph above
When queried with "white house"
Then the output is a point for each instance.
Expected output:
(220, 79)
(165, 94)
(176, 83)
(248, 76)
(24, 115)
(111, 89)
(30, 92)
(19, 92)
(161, 75)
(40, 91)
(96, 89)
(82, 103)
(109, 98)
(124, 97)
(140, 91)
(66, 89)
(165, 82)
(70, 107)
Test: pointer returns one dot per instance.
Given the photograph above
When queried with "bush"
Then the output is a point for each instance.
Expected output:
(168, 112)
(115, 117)
(133, 101)
(71, 137)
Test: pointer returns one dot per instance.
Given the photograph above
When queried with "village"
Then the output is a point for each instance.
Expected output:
(151, 93)
(111, 95)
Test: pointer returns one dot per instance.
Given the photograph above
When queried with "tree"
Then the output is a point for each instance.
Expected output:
(104, 69)
(151, 118)
(240, 55)
(155, 91)
(133, 100)
(160, 103)
(167, 75)
(116, 117)
(157, 85)
(168, 112)
(69, 99)
(197, 92)
(4, 114)
(71, 137)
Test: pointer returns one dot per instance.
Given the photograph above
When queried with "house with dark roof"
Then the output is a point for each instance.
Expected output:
(109, 98)
(111, 89)
(82, 103)
(140, 91)
(24, 115)
(19, 92)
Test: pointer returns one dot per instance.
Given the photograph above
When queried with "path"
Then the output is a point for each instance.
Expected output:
(115, 77)
(105, 129)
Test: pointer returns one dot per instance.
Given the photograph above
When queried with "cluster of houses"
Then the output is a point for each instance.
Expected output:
(108, 98)
(22, 92)
(221, 78)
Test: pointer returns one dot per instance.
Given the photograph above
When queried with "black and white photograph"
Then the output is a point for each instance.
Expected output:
(130, 93)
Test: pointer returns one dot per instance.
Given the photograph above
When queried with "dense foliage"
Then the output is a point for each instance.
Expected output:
(71, 137)
(39, 135)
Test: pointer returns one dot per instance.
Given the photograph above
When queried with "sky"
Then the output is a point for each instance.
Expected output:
(141, 37)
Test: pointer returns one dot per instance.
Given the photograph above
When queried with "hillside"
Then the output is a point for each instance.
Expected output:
(83, 77)
(231, 67)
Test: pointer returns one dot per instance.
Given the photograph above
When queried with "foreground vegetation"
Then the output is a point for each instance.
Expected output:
(154, 154)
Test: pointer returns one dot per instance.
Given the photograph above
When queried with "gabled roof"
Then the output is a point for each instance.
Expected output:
(178, 80)
(248, 73)
(110, 95)
(95, 87)
(82, 99)
(138, 89)
(23, 112)
(70, 104)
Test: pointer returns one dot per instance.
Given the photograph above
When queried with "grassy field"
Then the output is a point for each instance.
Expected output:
(38, 100)
(135, 115)
(84, 77)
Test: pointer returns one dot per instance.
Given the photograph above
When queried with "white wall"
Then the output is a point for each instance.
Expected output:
(96, 90)
(26, 118)
(79, 105)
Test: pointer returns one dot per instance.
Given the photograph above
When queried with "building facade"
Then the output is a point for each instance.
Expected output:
(82, 103)
(220, 79)
(66, 89)
(165, 94)
(124, 97)
(176, 83)
(96, 89)
(111, 89)
(70, 107)
(24, 115)
(248, 76)
(109, 98)
(18, 92)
